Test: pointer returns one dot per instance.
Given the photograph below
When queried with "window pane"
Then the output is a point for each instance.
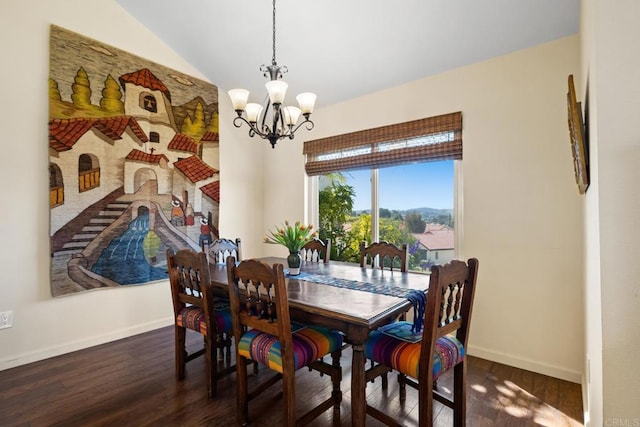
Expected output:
(416, 206)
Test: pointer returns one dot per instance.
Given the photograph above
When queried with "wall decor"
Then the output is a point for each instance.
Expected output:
(577, 133)
(133, 165)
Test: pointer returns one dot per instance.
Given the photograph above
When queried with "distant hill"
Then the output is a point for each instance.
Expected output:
(425, 212)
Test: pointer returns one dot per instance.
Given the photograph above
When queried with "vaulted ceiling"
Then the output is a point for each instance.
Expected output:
(341, 49)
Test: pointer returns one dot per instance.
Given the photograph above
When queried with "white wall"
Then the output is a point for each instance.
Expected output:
(44, 326)
(522, 212)
(612, 63)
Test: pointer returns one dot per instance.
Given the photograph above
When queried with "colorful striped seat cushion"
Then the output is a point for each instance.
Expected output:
(192, 317)
(309, 344)
(405, 357)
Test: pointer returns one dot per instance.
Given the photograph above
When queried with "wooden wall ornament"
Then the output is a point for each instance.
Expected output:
(577, 132)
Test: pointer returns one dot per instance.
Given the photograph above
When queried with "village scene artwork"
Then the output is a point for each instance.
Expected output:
(133, 165)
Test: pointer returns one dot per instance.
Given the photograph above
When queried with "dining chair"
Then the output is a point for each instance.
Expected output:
(385, 251)
(220, 249)
(443, 345)
(196, 308)
(263, 332)
(316, 250)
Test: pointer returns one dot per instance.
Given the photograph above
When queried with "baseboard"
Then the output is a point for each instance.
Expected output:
(46, 353)
(529, 365)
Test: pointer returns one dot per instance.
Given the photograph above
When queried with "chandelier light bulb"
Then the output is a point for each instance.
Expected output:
(277, 90)
(253, 112)
(306, 101)
(239, 98)
(291, 115)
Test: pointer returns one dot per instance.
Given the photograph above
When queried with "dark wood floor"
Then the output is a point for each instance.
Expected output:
(131, 383)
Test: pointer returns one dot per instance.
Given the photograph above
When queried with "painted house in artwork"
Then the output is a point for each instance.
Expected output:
(129, 151)
(107, 172)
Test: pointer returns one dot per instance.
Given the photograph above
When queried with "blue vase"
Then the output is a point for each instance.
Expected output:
(293, 261)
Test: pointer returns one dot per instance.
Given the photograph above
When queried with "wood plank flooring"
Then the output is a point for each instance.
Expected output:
(131, 382)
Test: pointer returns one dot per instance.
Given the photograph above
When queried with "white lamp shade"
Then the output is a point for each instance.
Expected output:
(291, 115)
(253, 111)
(307, 101)
(277, 90)
(239, 98)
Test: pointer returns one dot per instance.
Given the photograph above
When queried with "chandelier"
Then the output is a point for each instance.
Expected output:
(274, 120)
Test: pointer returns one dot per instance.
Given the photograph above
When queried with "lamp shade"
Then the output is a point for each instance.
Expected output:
(277, 90)
(239, 98)
(291, 115)
(253, 112)
(307, 101)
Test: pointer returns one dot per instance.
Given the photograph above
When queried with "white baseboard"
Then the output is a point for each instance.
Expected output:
(45, 353)
(529, 365)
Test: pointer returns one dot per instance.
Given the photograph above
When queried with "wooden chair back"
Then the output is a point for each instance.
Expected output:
(189, 281)
(220, 249)
(386, 253)
(259, 300)
(316, 251)
(449, 302)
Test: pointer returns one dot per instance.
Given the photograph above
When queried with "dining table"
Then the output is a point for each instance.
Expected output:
(344, 296)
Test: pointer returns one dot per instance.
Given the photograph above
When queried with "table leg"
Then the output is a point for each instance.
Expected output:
(358, 387)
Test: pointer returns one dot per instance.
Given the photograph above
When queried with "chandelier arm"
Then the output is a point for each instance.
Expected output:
(252, 128)
(309, 125)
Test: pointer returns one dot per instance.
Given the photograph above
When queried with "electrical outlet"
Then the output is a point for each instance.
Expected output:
(6, 319)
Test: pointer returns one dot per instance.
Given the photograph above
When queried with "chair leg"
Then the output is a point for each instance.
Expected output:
(336, 378)
(242, 393)
(460, 394)
(180, 334)
(289, 394)
(425, 406)
(403, 387)
(212, 365)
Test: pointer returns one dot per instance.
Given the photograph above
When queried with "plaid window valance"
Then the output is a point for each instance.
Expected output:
(423, 140)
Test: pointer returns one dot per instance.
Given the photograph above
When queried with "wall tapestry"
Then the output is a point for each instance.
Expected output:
(133, 165)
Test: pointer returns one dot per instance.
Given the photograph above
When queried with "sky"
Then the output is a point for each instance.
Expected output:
(405, 187)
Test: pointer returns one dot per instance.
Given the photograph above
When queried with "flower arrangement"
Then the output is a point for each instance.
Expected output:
(293, 237)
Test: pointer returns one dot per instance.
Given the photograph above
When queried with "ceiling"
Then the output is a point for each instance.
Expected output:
(342, 49)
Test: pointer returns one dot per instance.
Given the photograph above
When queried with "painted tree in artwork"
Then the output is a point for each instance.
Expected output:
(214, 123)
(111, 101)
(54, 92)
(81, 88)
(196, 127)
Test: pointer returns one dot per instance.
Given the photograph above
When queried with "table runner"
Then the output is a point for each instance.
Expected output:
(417, 298)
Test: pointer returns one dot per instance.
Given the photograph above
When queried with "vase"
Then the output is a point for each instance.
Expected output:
(294, 261)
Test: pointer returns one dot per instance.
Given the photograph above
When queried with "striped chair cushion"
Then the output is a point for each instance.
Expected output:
(309, 344)
(193, 318)
(405, 357)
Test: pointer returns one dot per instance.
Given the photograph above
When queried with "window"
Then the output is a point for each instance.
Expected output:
(88, 172)
(154, 137)
(396, 183)
(56, 186)
(148, 102)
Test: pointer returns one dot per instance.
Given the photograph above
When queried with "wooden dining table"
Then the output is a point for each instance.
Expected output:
(354, 312)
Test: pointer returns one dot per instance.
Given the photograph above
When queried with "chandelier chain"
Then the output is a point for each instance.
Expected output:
(273, 58)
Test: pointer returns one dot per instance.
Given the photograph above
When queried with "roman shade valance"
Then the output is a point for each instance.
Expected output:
(428, 139)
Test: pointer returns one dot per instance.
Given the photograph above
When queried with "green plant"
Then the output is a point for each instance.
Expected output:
(293, 237)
